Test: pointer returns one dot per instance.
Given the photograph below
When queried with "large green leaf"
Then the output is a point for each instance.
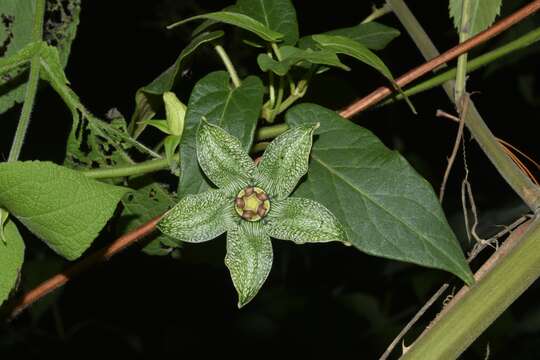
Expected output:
(240, 20)
(17, 19)
(142, 205)
(372, 35)
(278, 15)
(292, 55)
(61, 206)
(347, 46)
(11, 259)
(387, 209)
(236, 110)
(148, 98)
(482, 14)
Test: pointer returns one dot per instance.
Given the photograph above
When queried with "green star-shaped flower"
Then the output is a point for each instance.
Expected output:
(252, 204)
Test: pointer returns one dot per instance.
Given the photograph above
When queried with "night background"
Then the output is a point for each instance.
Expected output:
(319, 300)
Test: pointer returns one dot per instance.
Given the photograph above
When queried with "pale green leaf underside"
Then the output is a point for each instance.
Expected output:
(482, 14)
(11, 259)
(292, 56)
(347, 46)
(278, 15)
(59, 205)
(303, 221)
(240, 20)
(249, 259)
(236, 110)
(373, 35)
(222, 157)
(285, 161)
(198, 218)
(142, 205)
(386, 208)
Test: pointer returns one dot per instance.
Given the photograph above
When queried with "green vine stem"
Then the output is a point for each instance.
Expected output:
(31, 86)
(501, 280)
(520, 183)
(472, 65)
(228, 65)
(129, 170)
(464, 34)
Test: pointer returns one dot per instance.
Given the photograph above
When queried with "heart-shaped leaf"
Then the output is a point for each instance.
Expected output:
(387, 209)
(61, 206)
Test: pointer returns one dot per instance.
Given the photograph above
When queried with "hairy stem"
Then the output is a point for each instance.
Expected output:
(270, 132)
(228, 64)
(31, 86)
(129, 170)
(464, 34)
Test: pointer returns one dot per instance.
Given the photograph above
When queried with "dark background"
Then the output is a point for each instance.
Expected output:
(319, 301)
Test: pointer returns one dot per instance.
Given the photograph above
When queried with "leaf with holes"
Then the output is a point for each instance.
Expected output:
(386, 208)
(59, 205)
(16, 22)
(142, 205)
(234, 109)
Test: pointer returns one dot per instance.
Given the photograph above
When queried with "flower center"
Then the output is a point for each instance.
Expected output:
(252, 203)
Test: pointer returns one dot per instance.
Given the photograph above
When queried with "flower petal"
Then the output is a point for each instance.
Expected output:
(249, 259)
(222, 158)
(285, 161)
(303, 220)
(198, 218)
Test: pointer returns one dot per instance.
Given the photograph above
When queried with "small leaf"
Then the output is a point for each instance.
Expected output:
(303, 221)
(142, 205)
(285, 161)
(292, 56)
(176, 112)
(147, 98)
(278, 15)
(343, 45)
(59, 205)
(222, 158)
(170, 144)
(198, 218)
(386, 208)
(236, 110)
(11, 259)
(161, 125)
(373, 35)
(482, 14)
(249, 259)
(240, 20)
